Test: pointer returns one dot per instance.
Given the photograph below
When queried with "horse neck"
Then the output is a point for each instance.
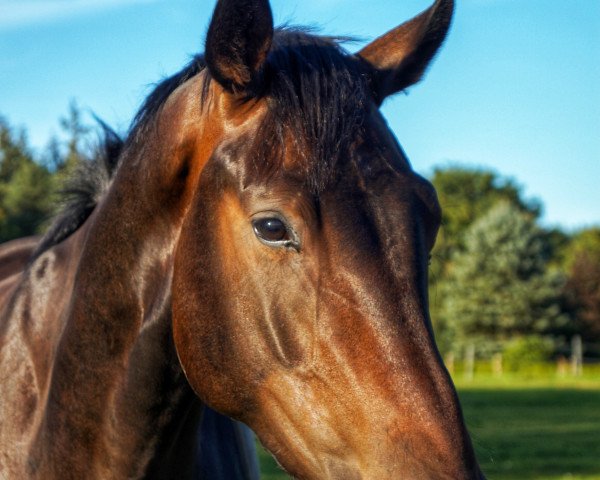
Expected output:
(14, 256)
(116, 378)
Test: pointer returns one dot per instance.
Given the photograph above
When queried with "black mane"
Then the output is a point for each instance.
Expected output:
(93, 177)
(317, 96)
(83, 190)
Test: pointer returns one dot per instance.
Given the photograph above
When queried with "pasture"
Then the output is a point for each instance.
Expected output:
(526, 426)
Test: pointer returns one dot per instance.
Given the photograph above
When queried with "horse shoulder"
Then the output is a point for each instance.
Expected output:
(33, 296)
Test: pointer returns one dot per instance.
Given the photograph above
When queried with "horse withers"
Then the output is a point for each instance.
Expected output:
(258, 245)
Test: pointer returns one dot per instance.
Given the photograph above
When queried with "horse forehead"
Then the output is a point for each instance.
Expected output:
(380, 170)
(379, 200)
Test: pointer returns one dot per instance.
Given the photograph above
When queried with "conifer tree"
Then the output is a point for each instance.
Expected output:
(465, 194)
(25, 186)
(499, 287)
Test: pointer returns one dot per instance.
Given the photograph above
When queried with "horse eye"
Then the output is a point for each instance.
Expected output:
(271, 230)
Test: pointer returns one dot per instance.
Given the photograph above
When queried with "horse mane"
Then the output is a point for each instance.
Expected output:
(92, 177)
(83, 190)
(316, 91)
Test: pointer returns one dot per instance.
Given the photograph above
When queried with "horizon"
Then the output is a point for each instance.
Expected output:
(513, 89)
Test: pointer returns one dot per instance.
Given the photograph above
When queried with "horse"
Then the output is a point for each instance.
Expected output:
(225, 449)
(257, 245)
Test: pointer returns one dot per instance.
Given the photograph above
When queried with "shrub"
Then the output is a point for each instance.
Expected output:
(526, 351)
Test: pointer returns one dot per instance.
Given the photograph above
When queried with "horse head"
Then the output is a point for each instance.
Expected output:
(300, 281)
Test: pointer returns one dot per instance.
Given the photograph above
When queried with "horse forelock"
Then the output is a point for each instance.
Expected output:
(317, 96)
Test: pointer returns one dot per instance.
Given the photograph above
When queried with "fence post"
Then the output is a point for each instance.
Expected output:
(562, 366)
(470, 361)
(497, 364)
(576, 355)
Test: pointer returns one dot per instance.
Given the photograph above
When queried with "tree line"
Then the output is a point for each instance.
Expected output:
(502, 283)
(30, 181)
(499, 281)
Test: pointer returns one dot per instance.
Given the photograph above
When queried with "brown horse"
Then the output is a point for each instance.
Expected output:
(263, 239)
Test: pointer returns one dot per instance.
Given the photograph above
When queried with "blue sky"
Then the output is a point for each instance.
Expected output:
(515, 87)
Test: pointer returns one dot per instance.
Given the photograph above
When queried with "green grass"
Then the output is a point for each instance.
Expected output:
(269, 470)
(531, 425)
(535, 433)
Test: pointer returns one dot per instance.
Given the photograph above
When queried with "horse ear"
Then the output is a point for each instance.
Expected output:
(401, 56)
(238, 41)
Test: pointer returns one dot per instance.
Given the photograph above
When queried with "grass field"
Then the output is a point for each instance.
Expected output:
(526, 426)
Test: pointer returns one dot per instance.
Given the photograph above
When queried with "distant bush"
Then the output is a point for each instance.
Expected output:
(526, 351)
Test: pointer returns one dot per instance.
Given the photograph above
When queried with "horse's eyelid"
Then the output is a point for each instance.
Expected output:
(293, 244)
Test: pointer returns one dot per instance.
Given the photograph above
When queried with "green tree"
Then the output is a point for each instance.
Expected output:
(13, 150)
(499, 286)
(465, 194)
(25, 186)
(582, 264)
(67, 155)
